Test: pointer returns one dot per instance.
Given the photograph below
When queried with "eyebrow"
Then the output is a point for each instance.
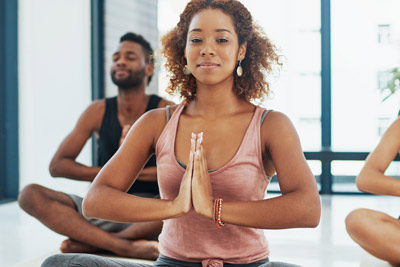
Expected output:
(127, 52)
(217, 30)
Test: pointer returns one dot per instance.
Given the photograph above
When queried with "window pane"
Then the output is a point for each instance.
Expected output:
(365, 48)
(294, 27)
(345, 172)
(315, 166)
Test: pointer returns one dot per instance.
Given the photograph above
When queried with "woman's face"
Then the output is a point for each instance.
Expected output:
(212, 48)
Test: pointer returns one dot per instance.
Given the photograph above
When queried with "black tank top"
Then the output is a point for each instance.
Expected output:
(108, 142)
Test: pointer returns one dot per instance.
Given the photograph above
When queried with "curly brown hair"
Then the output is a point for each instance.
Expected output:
(259, 60)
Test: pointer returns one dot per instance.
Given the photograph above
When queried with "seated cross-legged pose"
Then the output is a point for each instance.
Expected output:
(110, 120)
(216, 152)
(377, 232)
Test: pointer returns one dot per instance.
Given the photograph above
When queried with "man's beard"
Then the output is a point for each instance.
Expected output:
(134, 79)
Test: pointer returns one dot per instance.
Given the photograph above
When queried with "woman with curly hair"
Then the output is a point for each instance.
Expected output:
(216, 151)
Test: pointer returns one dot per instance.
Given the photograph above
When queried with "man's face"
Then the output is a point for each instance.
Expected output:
(129, 66)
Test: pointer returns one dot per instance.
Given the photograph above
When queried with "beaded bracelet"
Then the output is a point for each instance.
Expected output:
(217, 212)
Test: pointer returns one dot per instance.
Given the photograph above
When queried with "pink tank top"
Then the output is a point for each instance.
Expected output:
(195, 238)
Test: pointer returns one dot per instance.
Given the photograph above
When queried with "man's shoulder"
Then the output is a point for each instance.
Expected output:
(159, 115)
(94, 113)
(164, 102)
(97, 106)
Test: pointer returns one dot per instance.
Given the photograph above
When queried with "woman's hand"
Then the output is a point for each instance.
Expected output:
(183, 202)
(201, 185)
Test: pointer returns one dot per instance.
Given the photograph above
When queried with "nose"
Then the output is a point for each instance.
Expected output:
(120, 61)
(208, 49)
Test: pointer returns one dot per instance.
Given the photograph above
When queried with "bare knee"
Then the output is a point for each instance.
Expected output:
(356, 221)
(31, 198)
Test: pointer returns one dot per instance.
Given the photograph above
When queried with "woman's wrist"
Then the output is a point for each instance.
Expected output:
(176, 209)
(208, 210)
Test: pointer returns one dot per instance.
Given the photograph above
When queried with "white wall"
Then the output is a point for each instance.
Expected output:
(122, 16)
(54, 84)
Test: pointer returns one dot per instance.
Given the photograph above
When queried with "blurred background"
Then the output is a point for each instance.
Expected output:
(336, 85)
(338, 59)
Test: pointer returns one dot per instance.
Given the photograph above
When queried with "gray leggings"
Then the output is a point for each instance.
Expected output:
(88, 260)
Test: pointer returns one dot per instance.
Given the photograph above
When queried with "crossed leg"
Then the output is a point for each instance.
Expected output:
(57, 211)
(376, 232)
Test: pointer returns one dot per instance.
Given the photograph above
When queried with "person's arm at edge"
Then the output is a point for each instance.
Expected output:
(372, 178)
(63, 163)
(299, 205)
(106, 198)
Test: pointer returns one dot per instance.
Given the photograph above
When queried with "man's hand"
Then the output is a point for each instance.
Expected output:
(125, 130)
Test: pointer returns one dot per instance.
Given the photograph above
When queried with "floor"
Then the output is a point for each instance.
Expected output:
(26, 242)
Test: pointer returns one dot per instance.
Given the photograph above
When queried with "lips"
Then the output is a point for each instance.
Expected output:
(121, 71)
(208, 65)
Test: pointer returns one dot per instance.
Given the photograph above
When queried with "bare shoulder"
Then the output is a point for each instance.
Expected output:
(158, 114)
(164, 102)
(394, 128)
(275, 122)
(155, 120)
(93, 115)
(390, 142)
(278, 131)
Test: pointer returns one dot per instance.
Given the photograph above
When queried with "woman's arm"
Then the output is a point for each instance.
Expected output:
(107, 198)
(299, 205)
(372, 178)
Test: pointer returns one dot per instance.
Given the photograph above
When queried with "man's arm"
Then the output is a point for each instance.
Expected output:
(149, 174)
(63, 163)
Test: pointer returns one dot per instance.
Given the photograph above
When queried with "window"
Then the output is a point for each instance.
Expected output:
(383, 78)
(383, 33)
(334, 68)
(357, 64)
(294, 27)
(9, 172)
(360, 67)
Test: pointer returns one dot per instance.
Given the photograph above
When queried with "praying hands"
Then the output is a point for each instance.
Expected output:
(196, 191)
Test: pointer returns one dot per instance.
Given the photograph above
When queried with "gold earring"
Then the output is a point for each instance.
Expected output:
(239, 69)
(186, 70)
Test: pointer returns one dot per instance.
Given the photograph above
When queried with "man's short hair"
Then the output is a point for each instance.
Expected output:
(137, 38)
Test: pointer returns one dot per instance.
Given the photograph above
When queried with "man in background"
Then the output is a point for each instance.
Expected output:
(109, 119)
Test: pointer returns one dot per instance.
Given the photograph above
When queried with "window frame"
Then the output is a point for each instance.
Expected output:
(9, 143)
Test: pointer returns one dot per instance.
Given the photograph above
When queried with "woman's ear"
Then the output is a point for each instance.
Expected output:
(242, 51)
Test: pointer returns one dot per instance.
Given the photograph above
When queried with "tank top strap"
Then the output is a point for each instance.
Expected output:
(254, 128)
(174, 118)
(109, 132)
(166, 140)
(111, 108)
(153, 102)
(251, 144)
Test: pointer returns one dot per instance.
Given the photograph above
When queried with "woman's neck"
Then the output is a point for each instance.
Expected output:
(215, 100)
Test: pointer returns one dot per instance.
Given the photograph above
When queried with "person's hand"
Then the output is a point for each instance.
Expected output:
(183, 202)
(201, 185)
(125, 130)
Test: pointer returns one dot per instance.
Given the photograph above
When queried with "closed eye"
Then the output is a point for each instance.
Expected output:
(195, 40)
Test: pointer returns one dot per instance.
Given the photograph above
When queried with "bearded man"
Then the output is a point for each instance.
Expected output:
(109, 119)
